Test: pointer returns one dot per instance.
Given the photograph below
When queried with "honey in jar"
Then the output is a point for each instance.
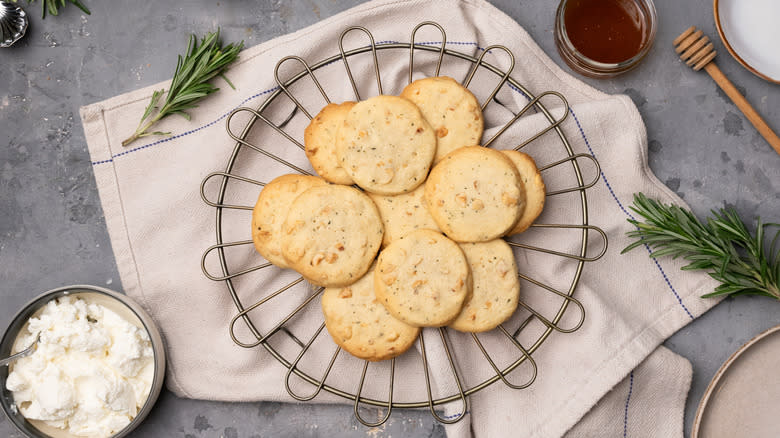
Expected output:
(602, 38)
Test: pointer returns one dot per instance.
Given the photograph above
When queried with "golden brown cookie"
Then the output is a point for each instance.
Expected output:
(451, 109)
(475, 194)
(496, 286)
(423, 279)
(402, 214)
(331, 235)
(270, 211)
(320, 141)
(385, 145)
(533, 186)
(362, 326)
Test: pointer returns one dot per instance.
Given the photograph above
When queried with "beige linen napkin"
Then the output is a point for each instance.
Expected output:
(649, 402)
(159, 228)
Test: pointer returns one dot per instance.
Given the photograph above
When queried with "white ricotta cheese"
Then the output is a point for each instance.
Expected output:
(91, 373)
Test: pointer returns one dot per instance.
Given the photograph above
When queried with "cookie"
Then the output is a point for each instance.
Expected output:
(451, 110)
(402, 214)
(331, 235)
(320, 141)
(270, 211)
(385, 145)
(496, 286)
(362, 326)
(475, 194)
(423, 279)
(533, 186)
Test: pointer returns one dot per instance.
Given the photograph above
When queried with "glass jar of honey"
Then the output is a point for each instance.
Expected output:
(603, 38)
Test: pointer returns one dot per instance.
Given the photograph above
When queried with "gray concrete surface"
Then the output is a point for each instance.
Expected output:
(52, 231)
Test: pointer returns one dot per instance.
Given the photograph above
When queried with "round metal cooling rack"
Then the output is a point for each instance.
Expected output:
(524, 354)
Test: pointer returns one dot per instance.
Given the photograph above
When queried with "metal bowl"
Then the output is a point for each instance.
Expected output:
(13, 23)
(114, 301)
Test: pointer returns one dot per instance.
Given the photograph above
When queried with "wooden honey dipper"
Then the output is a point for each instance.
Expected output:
(698, 52)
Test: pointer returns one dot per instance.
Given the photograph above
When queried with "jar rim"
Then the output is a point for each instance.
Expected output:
(583, 64)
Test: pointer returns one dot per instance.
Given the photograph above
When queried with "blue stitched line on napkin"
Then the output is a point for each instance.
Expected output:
(620, 204)
(628, 399)
(262, 93)
(449, 417)
(270, 90)
(213, 122)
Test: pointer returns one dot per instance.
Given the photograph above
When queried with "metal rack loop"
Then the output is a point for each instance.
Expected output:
(227, 277)
(225, 176)
(243, 315)
(526, 354)
(454, 372)
(284, 325)
(283, 87)
(346, 63)
(601, 232)
(545, 321)
(388, 407)
(579, 187)
(294, 364)
(533, 102)
(502, 374)
(504, 78)
(276, 128)
(413, 44)
(293, 337)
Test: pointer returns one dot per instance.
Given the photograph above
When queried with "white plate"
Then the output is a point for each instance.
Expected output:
(750, 30)
(743, 396)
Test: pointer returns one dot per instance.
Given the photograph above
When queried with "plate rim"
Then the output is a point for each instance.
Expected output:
(722, 371)
(731, 50)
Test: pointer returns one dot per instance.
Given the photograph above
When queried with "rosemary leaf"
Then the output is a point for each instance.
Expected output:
(722, 245)
(202, 62)
(53, 6)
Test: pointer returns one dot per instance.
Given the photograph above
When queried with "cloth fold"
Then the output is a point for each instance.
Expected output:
(160, 227)
(649, 402)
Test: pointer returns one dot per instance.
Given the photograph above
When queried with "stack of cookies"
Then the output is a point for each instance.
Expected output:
(404, 175)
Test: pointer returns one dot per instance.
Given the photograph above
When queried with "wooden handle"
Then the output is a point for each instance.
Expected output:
(744, 106)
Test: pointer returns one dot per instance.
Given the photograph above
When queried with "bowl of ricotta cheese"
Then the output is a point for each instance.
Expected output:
(96, 372)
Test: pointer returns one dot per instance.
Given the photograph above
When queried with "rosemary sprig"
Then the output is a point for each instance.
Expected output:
(722, 245)
(190, 82)
(53, 6)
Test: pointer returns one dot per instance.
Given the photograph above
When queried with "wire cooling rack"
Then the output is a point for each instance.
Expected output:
(281, 333)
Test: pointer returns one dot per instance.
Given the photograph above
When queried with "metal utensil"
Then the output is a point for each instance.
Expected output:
(13, 23)
(24, 353)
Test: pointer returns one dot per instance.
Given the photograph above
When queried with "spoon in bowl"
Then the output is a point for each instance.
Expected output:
(24, 353)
